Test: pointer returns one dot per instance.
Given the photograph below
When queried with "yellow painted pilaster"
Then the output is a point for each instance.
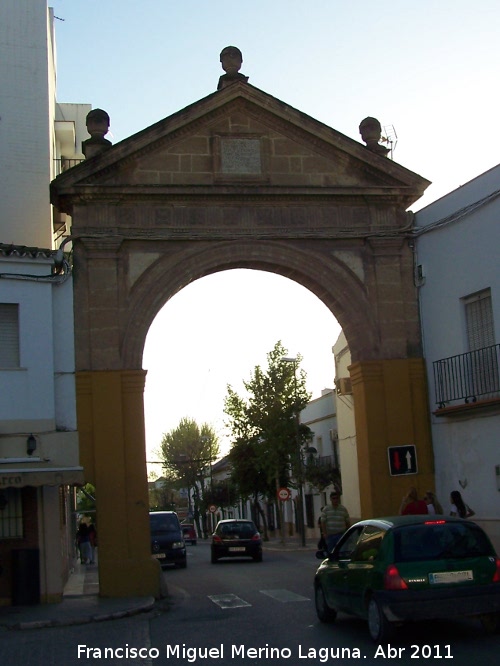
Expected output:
(391, 409)
(111, 424)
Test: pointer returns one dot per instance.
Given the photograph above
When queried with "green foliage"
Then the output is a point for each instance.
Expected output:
(85, 500)
(264, 425)
(187, 451)
(222, 493)
(163, 495)
(322, 476)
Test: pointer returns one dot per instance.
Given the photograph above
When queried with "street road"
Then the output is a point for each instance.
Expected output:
(241, 612)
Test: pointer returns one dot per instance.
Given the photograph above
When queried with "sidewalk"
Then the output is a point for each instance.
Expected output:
(81, 604)
(290, 543)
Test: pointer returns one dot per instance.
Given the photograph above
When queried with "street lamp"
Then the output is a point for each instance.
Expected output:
(300, 508)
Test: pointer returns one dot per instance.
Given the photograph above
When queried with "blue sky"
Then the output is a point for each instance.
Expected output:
(426, 68)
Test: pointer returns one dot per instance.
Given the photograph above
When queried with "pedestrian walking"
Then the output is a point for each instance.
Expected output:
(433, 505)
(459, 507)
(335, 520)
(411, 505)
(83, 542)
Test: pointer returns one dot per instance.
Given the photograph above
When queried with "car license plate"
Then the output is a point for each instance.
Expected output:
(237, 549)
(159, 556)
(451, 576)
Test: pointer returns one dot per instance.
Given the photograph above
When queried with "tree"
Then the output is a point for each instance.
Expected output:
(187, 451)
(267, 439)
(85, 500)
(164, 492)
(322, 476)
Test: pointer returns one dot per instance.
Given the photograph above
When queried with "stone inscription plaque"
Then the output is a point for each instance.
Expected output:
(240, 156)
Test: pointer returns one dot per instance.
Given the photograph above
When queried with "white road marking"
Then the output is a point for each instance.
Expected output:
(284, 595)
(228, 600)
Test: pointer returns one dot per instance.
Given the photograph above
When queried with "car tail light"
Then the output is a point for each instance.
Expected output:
(393, 580)
(256, 537)
(434, 522)
(496, 575)
(217, 539)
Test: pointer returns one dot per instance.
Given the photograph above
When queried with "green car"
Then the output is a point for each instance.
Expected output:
(407, 568)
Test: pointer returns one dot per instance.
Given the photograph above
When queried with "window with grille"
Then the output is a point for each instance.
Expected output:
(479, 320)
(9, 335)
(11, 515)
(482, 371)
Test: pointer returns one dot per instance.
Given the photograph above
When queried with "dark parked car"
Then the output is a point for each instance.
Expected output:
(405, 568)
(167, 542)
(236, 538)
(189, 533)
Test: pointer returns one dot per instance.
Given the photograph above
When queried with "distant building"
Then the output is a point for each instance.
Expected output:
(320, 415)
(39, 460)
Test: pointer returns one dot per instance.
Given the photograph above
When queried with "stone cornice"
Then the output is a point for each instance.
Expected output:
(238, 195)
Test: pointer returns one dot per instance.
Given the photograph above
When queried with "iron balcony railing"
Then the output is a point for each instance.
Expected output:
(468, 377)
(323, 461)
(65, 163)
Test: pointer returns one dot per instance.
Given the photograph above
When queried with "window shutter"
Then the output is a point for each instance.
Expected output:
(479, 320)
(9, 335)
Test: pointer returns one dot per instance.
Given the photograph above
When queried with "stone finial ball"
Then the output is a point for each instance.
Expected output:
(231, 51)
(97, 122)
(370, 129)
(231, 60)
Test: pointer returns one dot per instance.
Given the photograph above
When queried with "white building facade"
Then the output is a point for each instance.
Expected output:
(348, 452)
(39, 460)
(457, 271)
(320, 415)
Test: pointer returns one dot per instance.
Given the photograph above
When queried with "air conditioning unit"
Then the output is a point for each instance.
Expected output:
(334, 435)
(344, 386)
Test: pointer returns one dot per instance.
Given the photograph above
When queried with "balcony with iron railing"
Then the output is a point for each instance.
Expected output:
(468, 380)
(323, 461)
(323, 471)
(64, 163)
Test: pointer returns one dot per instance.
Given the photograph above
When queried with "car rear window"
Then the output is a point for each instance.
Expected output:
(238, 529)
(440, 541)
(164, 523)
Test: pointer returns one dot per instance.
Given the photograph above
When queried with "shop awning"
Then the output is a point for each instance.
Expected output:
(40, 476)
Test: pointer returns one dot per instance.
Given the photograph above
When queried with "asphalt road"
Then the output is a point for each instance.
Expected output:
(245, 612)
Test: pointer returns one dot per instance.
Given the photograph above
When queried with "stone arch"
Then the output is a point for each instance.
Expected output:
(348, 301)
(237, 180)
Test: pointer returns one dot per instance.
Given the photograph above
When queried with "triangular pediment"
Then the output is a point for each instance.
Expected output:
(232, 140)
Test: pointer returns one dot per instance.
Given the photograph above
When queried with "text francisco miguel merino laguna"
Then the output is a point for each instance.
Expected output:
(192, 654)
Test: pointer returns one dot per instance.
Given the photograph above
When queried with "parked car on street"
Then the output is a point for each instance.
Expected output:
(189, 533)
(167, 542)
(394, 570)
(236, 538)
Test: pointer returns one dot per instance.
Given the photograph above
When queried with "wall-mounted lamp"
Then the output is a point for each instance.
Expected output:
(497, 471)
(31, 445)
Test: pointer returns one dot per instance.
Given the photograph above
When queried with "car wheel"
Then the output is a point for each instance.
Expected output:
(491, 622)
(257, 558)
(215, 559)
(323, 610)
(194, 543)
(379, 627)
(182, 565)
